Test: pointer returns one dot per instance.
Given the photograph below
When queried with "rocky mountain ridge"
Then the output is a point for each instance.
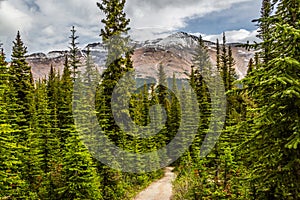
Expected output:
(174, 52)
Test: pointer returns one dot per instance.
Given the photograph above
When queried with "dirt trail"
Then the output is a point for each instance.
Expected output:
(159, 190)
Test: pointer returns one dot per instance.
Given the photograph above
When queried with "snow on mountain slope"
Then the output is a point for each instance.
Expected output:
(174, 52)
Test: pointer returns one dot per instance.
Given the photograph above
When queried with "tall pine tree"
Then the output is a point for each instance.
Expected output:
(273, 147)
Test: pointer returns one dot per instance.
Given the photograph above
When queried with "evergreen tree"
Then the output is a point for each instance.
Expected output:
(84, 98)
(161, 88)
(250, 66)
(146, 106)
(12, 184)
(44, 145)
(157, 117)
(201, 73)
(232, 76)
(227, 65)
(3, 63)
(74, 53)
(21, 84)
(65, 116)
(21, 107)
(273, 147)
(218, 55)
(118, 60)
(174, 114)
(91, 75)
(264, 23)
(79, 173)
(224, 63)
(52, 88)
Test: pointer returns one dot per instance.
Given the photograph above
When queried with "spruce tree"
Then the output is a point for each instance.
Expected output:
(273, 147)
(264, 23)
(80, 180)
(12, 185)
(201, 73)
(78, 172)
(21, 84)
(232, 76)
(52, 88)
(157, 117)
(146, 105)
(2, 57)
(74, 53)
(224, 63)
(161, 88)
(174, 114)
(118, 60)
(84, 98)
(44, 145)
(65, 116)
(21, 106)
(250, 66)
(218, 55)
(91, 75)
(53, 94)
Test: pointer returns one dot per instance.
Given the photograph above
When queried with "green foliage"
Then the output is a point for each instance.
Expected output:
(272, 147)
(20, 78)
(65, 116)
(74, 53)
(12, 185)
(174, 118)
(21, 88)
(44, 144)
(200, 76)
(43, 156)
(162, 91)
(80, 180)
(118, 61)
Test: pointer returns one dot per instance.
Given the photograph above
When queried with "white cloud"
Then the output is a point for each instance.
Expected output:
(234, 36)
(169, 15)
(45, 24)
(11, 20)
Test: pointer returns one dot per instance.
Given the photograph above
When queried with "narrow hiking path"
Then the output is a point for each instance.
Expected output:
(160, 189)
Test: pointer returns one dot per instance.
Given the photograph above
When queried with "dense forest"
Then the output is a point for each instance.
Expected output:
(45, 154)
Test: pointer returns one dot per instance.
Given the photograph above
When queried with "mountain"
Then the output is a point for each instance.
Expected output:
(174, 52)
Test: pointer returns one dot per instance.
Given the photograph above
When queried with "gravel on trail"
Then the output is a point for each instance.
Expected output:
(160, 189)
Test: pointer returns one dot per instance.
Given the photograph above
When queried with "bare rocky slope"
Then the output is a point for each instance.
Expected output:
(174, 52)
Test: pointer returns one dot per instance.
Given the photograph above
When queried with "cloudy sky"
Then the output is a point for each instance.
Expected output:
(45, 24)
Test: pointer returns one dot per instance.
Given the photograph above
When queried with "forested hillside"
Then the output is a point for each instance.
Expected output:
(82, 134)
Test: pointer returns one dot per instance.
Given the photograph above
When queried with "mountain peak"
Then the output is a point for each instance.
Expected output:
(179, 39)
(175, 52)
